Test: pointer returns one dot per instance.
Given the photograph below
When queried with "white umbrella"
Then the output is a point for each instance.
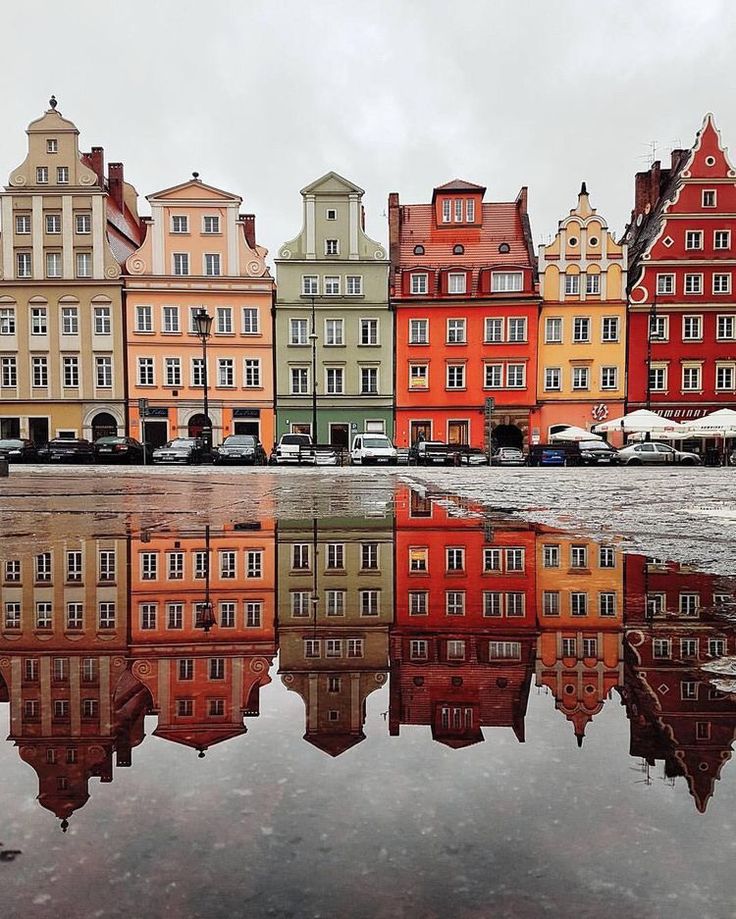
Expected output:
(642, 421)
(721, 422)
(573, 433)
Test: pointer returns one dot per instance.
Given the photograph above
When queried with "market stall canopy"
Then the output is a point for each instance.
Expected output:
(721, 422)
(574, 433)
(643, 421)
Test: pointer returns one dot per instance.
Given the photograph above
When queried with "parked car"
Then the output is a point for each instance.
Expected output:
(17, 450)
(241, 448)
(508, 456)
(67, 450)
(598, 453)
(472, 456)
(430, 453)
(650, 453)
(327, 455)
(295, 449)
(559, 454)
(368, 449)
(186, 450)
(120, 450)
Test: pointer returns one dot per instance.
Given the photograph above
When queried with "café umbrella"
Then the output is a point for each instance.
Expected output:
(642, 421)
(721, 423)
(574, 433)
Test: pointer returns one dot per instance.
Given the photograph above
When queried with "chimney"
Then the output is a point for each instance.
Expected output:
(394, 228)
(115, 184)
(249, 228)
(97, 159)
(521, 199)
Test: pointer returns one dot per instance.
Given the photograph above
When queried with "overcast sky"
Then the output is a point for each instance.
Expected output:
(263, 96)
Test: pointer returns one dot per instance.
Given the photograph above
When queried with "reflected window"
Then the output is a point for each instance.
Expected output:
(107, 565)
(106, 615)
(656, 604)
(455, 602)
(200, 565)
(456, 650)
(418, 602)
(43, 567)
(74, 567)
(227, 565)
(12, 615)
(175, 566)
(504, 650)
(12, 571)
(551, 557)
(688, 647)
(590, 647)
(569, 647)
(355, 647)
(217, 668)
(333, 684)
(369, 602)
(175, 615)
(335, 600)
(578, 556)
(716, 647)
(689, 604)
(300, 602)
(418, 649)
(418, 559)
(254, 564)
(253, 614)
(312, 647)
(688, 690)
(514, 604)
(607, 557)
(44, 615)
(661, 649)
(369, 556)
(455, 559)
(491, 559)
(149, 566)
(514, 559)
(607, 603)
(578, 603)
(492, 603)
(216, 708)
(186, 669)
(185, 708)
(148, 616)
(333, 647)
(551, 603)
(300, 557)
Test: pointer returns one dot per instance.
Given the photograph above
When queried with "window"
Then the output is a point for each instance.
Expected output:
(227, 614)
(456, 649)
(446, 210)
(456, 376)
(310, 285)
(458, 210)
(694, 239)
(7, 321)
(148, 616)
(506, 281)
(333, 648)
(688, 689)
(23, 265)
(369, 556)
(578, 556)
(62, 175)
(44, 615)
(369, 381)
(580, 378)
(504, 650)
(332, 247)
(39, 320)
(725, 376)
(70, 371)
(252, 372)
(251, 320)
(335, 556)
(12, 615)
(334, 332)
(726, 328)
(691, 378)
(61, 713)
(354, 285)
(42, 175)
(491, 559)
(331, 213)
(418, 559)
(217, 668)
(514, 559)
(721, 283)
(419, 283)
(184, 708)
(106, 615)
(418, 649)
(581, 329)
(74, 616)
(716, 647)
(53, 264)
(665, 284)
(709, 197)
(515, 376)
(721, 239)
(609, 328)
(212, 264)
(53, 223)
(30, 670)
(693, 283)
(592, 284)
(456, 283)
(175, 566)
(689, 604)
(300, 603)
(332, 285)
(300, 557)
(572, 284)
(369, 602)
(102, 320)
(224, 320)
(517, 329)
(145, 371)
(607, 604)
(514, 604)
(186, 669)
(181, 263)
(228, 560)
(170, 319)
(210, 224)
(225, 371)
(661, 648)
(369, 331)
(455, 559)
(418, 376)
(658, 378)
(74, 567)
(12, 571)
(179, 224)
(197, 371)
(692, 328)
(312, 647)
(606, 557)
(470, 210)
(456, 331)
(455, 602)
(8, 372)
(83, 224)
(418, 331)
(173, 371)
(552, 378)
(84, 264)
(23, 224)
(103, 372)
(493, 329)
(254, 564)
(299, 381)
(551, 603)
(688, 647)
(39, 372)
(418, 603)
(69, 320)
(335, 603)
(144, 319)
(578, 603)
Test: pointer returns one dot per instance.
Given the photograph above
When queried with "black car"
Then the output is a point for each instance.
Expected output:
(597, 453)
(241, 448)
(17, 450)
(120, 450)
(67, 450)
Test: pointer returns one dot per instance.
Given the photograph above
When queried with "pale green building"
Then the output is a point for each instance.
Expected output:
(332, 283)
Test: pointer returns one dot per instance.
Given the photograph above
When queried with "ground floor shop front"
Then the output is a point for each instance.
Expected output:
(551, 417)
(337, 425)
(506, 427)
(163, 422)
(42, 421)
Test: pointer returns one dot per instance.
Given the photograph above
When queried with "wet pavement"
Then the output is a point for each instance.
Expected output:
(367, 693)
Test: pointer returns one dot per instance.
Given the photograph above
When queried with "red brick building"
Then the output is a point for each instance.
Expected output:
(463, 288)
(681, 245)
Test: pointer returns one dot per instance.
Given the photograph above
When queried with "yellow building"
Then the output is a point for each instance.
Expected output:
(582, 327)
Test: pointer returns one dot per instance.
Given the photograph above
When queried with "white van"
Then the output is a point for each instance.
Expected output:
(372, 448)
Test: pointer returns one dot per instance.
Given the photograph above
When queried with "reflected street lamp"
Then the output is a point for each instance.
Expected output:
(203, 329)
(313, 339)
(205, 618)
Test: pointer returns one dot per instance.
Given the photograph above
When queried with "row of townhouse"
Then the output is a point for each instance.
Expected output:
(457, 615)
(460, 331)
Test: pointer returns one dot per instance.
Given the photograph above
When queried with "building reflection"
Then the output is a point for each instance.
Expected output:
(458, 610)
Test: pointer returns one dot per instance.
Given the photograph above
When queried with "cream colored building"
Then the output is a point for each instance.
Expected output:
(66, 229)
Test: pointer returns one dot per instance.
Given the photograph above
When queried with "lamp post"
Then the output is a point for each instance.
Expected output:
(313, 340)
(205, 611)
(203, 329)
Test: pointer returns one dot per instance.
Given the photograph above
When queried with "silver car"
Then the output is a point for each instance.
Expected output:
(655, 454)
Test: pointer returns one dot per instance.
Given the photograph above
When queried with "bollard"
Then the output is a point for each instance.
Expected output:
(4, 467)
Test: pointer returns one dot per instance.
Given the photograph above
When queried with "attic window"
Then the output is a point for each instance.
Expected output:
(418, 250)
(710, 161)
(504, 248)
(52, 145)
(458, 250)
(593, 241)
(668, 241)
(572, 241)
(331, 213)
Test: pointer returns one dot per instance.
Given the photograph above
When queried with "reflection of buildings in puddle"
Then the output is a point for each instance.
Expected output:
(335, 605)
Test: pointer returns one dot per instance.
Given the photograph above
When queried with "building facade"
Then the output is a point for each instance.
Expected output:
(463, 291)
(333, 326)
(199, 252)
(66, 230)
(682, 302)
(582, 327)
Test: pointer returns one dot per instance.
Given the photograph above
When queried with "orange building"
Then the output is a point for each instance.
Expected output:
(199, 251)
(463, 289)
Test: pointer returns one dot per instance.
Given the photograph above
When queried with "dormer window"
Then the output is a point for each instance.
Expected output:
(470, 210)
(458, 250)
(52, 145)
(446, 210)
(418, 250)
(458, 210)
(456, 283)
(419, 283)
(504, 248)
(332, 247)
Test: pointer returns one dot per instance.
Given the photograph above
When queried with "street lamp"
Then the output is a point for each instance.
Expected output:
(205, 618)
(203, 329)
(313, 339)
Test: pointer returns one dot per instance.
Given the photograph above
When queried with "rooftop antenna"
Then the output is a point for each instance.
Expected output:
(651, 155)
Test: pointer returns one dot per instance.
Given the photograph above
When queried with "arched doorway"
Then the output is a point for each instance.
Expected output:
(104, 425)
(197, 424)
(508, 435)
